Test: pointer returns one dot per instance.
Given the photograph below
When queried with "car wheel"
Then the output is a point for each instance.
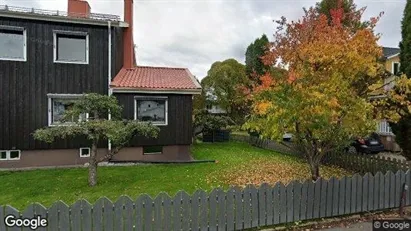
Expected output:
(352, 150)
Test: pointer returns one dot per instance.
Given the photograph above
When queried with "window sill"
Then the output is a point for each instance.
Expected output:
(15, 60)
(71, 62)
(153, 153)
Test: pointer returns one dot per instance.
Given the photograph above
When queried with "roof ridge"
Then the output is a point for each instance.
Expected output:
(161, 67)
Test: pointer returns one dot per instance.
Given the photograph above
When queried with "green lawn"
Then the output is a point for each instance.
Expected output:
(237, 164)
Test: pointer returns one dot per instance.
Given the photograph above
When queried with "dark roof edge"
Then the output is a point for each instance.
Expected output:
(64, 19)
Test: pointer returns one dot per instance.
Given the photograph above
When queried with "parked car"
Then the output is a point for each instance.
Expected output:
(369, 145)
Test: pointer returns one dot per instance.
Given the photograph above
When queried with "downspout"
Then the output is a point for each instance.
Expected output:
(109, 74)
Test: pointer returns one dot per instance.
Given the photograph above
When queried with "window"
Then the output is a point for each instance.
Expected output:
(84, 152)
(58, 105)
(384, 127)
(151, 109)
(12, 43)
(153, 150)
(71, 47)
(10, 155)
(395, 68)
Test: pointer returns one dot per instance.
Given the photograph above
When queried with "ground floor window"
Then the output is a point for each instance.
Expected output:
(151, 109)
(384, 127)
(57, 106)
(84, 152)
(10, 155)
(153, 150)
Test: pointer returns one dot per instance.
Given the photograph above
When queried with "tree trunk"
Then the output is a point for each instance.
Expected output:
(315, 170)
(92, 168)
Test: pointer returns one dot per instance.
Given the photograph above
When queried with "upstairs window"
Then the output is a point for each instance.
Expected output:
(151, 109)
(395, 68)
(71, 47)
(12, 43)
(58, 105)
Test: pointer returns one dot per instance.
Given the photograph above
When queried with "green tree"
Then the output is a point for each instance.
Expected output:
(254, 64)
(402, 127)
(222, 86)
(352, 15)
(97, 128)
(405, 44)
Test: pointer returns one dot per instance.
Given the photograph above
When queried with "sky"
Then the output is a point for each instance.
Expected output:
(196, 33)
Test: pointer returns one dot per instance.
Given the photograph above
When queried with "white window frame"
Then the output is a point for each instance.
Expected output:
(80, 33)
(8, 158)
(153, 98)
(392, 67)
(50, 98)
(89, 152)
(13, 28)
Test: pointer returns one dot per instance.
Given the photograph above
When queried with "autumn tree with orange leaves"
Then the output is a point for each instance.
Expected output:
(319, 100)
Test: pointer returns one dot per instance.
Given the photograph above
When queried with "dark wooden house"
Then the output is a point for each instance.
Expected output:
(48, 59)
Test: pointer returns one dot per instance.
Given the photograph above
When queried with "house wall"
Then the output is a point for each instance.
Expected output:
(179, 128)
(388, 63)
(25, 85)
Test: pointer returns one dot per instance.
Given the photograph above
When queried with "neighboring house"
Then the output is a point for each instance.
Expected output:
(391, 61)
(48, 59)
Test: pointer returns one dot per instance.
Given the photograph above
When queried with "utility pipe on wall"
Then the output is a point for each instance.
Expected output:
(109, 73)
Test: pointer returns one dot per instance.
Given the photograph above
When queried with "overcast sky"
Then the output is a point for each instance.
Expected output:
(196, 33)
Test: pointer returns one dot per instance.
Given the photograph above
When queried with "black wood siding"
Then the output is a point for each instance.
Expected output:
(25, 85)
(179, 128)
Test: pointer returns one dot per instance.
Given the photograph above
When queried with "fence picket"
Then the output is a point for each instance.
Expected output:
(310, 200)
(342, 193)
(398, 189)
(2, 216)
(239, 209)
(335, 196)
(254, 206)
(12, 211)
(167, 211)
(283, 204)
(323, 198)
(262, 204)
(177, 211)
(269, 206)
(195, 211)
(297, 201)
(276, 203)
(185, 206)
(370, 192)
(139, 222)
(289, 201)
(119, 214)
(377, 179)
(358, 193)
(392, 189)
(75, 216)
(230, 209)
(247, 207)
(304, 200)
(28, 213)
(158, 212)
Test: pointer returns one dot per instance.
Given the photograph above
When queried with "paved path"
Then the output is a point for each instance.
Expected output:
(363, 226)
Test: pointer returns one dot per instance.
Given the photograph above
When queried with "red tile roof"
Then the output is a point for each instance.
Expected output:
(155, 78)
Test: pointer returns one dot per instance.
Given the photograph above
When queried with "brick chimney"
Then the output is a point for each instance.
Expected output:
(128, 42)
(78, 8)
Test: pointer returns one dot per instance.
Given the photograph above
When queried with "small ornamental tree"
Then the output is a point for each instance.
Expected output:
(97, 128)
(317, 99)
(207, 122)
